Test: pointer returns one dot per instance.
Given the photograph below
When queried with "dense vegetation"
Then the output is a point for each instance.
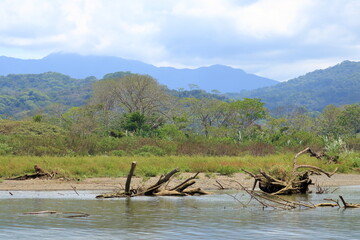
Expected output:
(337, 85)
(134, 115)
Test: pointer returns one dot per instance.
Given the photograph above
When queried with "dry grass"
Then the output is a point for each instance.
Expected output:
(112, 166)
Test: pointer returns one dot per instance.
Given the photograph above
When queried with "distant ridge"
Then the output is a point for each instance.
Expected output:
(337, 85)
(219, 77)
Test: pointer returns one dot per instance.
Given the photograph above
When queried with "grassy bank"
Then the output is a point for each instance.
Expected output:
(111, 166)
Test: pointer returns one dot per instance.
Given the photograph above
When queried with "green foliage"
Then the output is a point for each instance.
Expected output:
(135, 122)
(37, 118)
(116, 75)
(196, 93)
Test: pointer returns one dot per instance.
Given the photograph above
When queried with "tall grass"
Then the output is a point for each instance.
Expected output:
(113, 166)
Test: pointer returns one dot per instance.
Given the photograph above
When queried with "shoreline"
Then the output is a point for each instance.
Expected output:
(204, 182)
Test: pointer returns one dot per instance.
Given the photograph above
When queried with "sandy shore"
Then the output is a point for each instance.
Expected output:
(204, 182)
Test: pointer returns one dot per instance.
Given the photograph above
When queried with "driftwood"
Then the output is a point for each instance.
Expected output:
(128, 180)
(65, 214)
(297, 183)
(323, 155)
(39, 173)
(159, 188)
(267, 200)
(348, 205)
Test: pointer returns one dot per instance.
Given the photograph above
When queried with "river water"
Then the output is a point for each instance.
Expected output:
(217, 216)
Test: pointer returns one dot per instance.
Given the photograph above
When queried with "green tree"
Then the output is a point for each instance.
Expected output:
(131, 93)
(205, 112)
(242, 114)
(328, 121)
(350, 119)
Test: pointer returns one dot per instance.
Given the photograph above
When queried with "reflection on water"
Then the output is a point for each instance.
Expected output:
(205, 217)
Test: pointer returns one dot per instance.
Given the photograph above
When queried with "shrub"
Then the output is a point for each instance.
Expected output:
(334, 147)
(118, 153)
(356, 162)
(208, 147)
(149, 171)
(149, 151)
(260, 149)
(354, 143)
(5, 149)
(106, 144)
(170, 132)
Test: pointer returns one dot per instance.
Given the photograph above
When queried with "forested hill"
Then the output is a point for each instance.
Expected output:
(337, 85)
(25, 94)
(219, 77)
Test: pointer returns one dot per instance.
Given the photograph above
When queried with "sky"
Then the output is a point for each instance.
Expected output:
(278, 39)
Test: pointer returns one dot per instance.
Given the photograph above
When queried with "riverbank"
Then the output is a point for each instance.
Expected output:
(204, 181)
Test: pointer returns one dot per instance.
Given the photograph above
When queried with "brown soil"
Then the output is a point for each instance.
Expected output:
(204, 182)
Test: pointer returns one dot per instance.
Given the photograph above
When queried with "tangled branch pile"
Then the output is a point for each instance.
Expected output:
(298, 182)
(267, 200)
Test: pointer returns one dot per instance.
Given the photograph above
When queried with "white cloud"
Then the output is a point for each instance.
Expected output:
(275, 38)
(267, 18)
(289, 70)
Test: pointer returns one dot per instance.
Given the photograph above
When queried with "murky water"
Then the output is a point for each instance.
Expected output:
(216, 216)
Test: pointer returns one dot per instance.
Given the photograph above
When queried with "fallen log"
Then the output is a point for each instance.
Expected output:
(65, 214)
(39, 173)
(163, 179)
(159, 188)
(195, 191)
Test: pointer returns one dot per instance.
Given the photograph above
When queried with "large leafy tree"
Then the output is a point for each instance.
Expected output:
(243, 114)
(134, 95)
(350, 119)
(131, 93)
(205, 112)
(328, 121)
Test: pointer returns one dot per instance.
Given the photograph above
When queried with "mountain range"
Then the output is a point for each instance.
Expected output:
(23, 94)
(216, 77)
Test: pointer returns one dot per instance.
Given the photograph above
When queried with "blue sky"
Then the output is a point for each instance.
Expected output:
(278, 39)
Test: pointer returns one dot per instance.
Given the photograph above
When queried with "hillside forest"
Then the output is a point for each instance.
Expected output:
(128, 114)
